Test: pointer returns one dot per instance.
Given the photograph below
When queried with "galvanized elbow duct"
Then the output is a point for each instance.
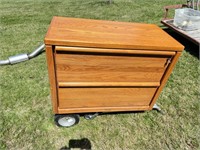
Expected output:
(36, 51)
(22, 57)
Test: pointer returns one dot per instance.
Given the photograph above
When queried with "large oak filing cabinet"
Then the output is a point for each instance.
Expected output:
(106, 66)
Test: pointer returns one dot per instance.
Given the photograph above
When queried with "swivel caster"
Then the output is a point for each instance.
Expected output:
(90, 116)
(156, 107)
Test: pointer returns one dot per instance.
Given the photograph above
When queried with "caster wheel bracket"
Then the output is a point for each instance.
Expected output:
(90, 116)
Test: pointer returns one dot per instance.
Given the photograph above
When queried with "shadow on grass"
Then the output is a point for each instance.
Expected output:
(190, 47)
(83, 144)
(125, 112)
(108, 4)
(94, 115)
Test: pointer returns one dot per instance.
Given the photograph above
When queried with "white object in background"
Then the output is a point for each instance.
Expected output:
(187, 19)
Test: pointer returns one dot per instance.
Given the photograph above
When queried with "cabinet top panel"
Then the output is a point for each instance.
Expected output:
(108, 34)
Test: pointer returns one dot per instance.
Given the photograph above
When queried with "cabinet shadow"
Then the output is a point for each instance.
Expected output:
(190, 47)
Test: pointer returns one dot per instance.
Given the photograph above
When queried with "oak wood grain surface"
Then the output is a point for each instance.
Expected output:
(108, 84)
(72, 110)
(104, 97)
(108, 34)
(165, 78)
(115, 51)
(109, 68)
(103, 66)
(52, 77)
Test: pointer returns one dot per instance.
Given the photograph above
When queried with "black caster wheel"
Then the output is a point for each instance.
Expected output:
(66, 120)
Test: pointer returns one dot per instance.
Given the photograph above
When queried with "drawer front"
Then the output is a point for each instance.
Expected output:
(104, 97)
(98, 67)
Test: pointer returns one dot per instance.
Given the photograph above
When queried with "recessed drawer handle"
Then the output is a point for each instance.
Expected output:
(117, 51)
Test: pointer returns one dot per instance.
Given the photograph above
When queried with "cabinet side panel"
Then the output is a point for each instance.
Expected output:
(52, 77)
(165, 78)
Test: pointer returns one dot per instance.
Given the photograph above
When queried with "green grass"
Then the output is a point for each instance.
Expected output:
(26, 119)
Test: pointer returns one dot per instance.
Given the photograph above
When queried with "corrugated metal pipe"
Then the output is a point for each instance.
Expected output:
(22, 57)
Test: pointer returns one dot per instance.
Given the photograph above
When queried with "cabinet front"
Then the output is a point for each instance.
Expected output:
(100, 79)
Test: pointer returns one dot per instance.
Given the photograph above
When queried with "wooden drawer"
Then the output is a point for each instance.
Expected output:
(91, 66)
(105, 97)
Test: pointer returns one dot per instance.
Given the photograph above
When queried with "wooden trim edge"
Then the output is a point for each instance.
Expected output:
(107, 84)
(165, 79)
(102, 109)
(117, 51)
(52, 77)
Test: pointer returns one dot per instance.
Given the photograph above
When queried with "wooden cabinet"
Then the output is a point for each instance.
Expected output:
(103, 66)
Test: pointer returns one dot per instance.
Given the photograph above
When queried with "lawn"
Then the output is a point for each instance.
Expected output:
(26, 119)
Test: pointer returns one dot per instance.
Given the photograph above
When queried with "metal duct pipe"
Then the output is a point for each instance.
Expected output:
(36, 51)
(22, 57)
(4, 62)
